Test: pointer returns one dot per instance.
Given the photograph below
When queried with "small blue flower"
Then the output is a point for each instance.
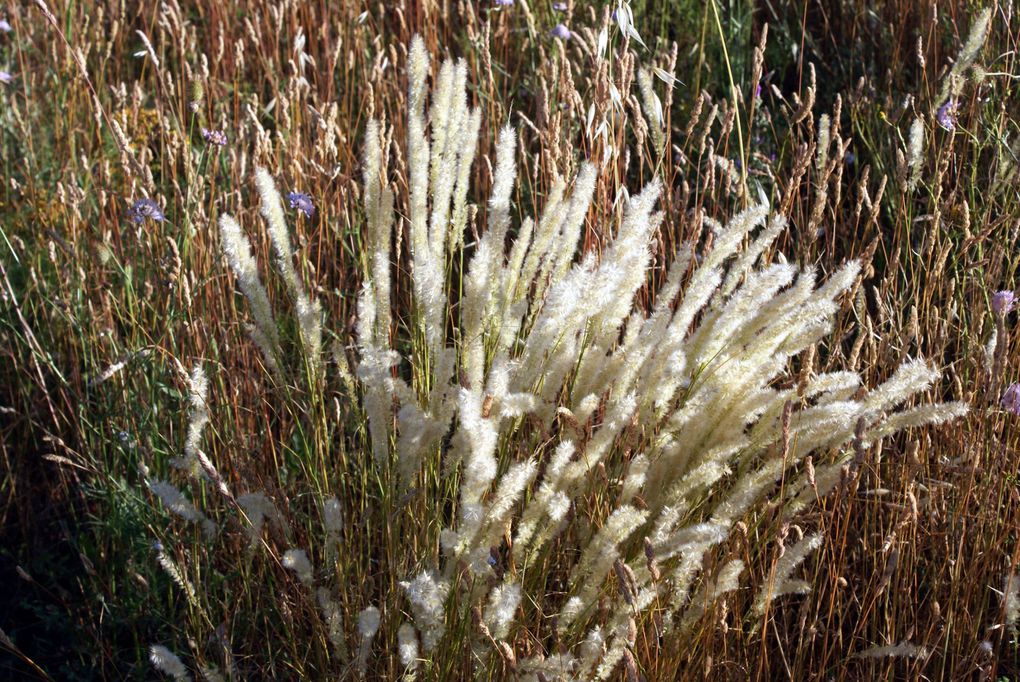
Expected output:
(5, 26)
(560, 6)
(216, 137)
(1011, 399)
(301, 202)
(503, 3)
(946, 115)
(5, 77)
(145, 208)
(561, 31)
(1003, 302)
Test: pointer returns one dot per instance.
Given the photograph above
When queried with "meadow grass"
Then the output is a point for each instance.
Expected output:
(136, 357)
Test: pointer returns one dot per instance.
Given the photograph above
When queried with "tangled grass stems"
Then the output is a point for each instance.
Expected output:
(564, 399)
(114, 285)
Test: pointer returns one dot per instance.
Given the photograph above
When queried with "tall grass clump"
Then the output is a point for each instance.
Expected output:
(571, 340)
(556, 464)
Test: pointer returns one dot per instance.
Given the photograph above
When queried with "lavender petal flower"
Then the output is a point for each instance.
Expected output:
(1003, 302)
(5, 27)
(560, 6)
(216, 137)
(301, 202)
(145, 208)
(946, 115)
(1011, 398)
(5, 77)
(561, 31)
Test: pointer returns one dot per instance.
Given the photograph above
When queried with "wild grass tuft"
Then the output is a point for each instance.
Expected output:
(509, 340)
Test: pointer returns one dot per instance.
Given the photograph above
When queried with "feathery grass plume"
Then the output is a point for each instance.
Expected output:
(195, 462)
(1011, 601)
(237, 250)
(919, 416)
(333, 521)
(652, 107)
(815, 483)
(379, 226)
(500, 505)
(297, 561)
(615, 652)
(174, 571)
(332, 517)
(427, 594)
(272, 211)
(427, 269)
(824, 140)
(600, 554)
(915, 150)
(309, 314)
(780, 583)
(174, 500)
(258, 508)
(479, 289)
(465, 156)
(333, 616)
(953, 82)
(449, 122)
(167, 662)
(501, 608)
(975, 39)
(727, 580)
(198, 396)
(407, 649)
(308, 309)
(901, 650)
(368, 625)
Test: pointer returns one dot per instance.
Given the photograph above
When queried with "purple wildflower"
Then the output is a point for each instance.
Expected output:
(5, 26)
(757, 90)
(503, 3)
(216, 137)
(5, 77)
(1003, 302)
(561, 31)
(301, 202)
(946, 115)
(145, 208)
(560, 6)
(1011, 398)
